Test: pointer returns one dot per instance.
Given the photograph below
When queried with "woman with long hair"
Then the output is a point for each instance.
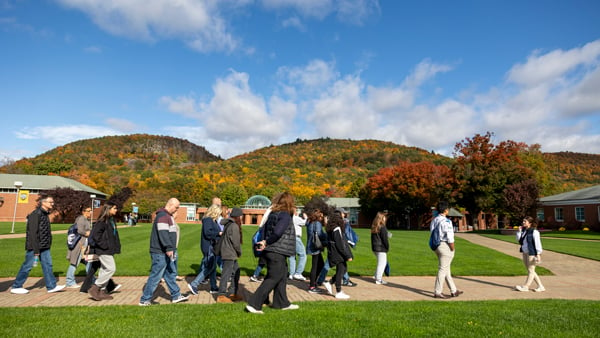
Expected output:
(338, 253)
(314, 229)
(279, 243)
(105, 243)
(380, 245)
(211, 232)
(531, 247)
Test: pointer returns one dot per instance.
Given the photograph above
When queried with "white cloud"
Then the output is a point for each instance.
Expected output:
(294, 22)
(349, 11)
(122, 125)
(60, 135)
(198, 23)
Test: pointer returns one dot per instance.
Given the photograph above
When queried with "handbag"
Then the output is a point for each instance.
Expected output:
(317, 242)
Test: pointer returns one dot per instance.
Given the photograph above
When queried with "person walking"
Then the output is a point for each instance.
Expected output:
(314, 228)
(38, 240)
(531, 247)
(211, 232)
(297, 270)
(230, 249)
(278, 245)
(163, 252)
(445, 251)
(74, 255)
(380, 245)
(105, 243)
(338, 253)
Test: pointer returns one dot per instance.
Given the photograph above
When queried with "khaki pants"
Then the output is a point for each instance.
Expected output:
(445, 257)
(530, 264)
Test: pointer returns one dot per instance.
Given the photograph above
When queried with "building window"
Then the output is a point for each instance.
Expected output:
(579, 214)
(558, 214)
(540, 214)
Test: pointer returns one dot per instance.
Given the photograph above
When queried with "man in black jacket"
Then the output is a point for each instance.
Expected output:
(38, 241)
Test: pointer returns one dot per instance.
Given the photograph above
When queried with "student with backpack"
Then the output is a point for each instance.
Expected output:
(338, 253)
(278, 245)
(78, 242)
(445, 251)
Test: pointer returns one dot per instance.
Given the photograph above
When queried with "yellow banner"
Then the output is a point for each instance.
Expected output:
(24, 196)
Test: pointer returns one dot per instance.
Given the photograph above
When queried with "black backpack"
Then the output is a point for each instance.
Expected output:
(73, 236)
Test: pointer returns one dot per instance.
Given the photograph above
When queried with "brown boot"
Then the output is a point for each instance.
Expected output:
(223, 299)
(235, 297)
(105, 295)
(94, 292)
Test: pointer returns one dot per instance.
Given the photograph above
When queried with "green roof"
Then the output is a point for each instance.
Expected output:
(44, 182)
(587, 194)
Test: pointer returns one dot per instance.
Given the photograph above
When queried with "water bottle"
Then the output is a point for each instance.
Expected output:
(36, 260)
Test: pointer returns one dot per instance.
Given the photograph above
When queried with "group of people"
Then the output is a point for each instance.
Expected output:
(220, 243)
(96, 246)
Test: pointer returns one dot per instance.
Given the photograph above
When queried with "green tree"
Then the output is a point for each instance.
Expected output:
(233, 195)
(483, 170)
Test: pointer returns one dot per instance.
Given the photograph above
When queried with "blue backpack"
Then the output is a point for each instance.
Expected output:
(258, 236)
(434, 238)
(73, 236)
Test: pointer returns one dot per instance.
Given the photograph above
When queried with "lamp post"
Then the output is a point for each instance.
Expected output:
(92, 196)
(18, 185)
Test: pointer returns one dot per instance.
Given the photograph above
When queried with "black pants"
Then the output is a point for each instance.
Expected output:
(340, 270)
(276, 281)
(315, 269)
(231, 271)
(89, 279)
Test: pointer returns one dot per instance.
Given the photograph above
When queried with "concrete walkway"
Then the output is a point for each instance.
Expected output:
(575, 278)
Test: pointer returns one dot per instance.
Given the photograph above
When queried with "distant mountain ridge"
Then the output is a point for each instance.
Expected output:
(159, 167)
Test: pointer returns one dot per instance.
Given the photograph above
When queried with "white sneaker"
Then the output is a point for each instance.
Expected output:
(328, 287)
(291, 307)
(73, 286)
(117, 287)
(299, 277)
(540, 289)
(250, 309)
(181, 298)
(522, 288)
(56, 289)
(290, 277)
(341, 295)
(19, 291)
(380, 282)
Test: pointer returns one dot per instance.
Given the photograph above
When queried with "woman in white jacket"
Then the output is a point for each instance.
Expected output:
(531, 247)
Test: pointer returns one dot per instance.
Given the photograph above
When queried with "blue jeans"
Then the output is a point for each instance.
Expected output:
(325, 270)
(162, 265)
(301, 252)
(208, 269)
(45, 260)
(70, 276)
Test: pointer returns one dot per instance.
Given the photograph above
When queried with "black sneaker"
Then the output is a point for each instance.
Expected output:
(349, 283)
(315, 290)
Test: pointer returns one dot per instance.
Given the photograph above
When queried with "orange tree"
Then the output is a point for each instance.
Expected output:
(409, 187)
(485, 170)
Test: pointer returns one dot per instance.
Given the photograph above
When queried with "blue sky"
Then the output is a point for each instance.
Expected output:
(234, 76)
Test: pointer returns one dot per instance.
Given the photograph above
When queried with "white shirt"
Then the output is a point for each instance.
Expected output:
(536, 240)
(444, 227)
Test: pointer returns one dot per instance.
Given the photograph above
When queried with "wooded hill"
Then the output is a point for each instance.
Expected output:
(159, 167)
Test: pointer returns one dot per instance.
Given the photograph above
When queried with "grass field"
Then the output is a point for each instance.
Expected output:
(409, 255)
(512, 318)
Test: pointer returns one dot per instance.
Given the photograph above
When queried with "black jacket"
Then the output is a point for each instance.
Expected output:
(379, 241)
(338, 250)
(39, 233)
(105, 238)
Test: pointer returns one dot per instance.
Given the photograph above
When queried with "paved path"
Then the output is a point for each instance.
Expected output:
(575, 278)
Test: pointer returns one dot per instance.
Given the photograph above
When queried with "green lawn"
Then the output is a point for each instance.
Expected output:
(409, 255)
(511, 318)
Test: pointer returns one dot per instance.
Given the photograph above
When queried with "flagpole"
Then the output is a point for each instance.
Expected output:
(18, 185)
